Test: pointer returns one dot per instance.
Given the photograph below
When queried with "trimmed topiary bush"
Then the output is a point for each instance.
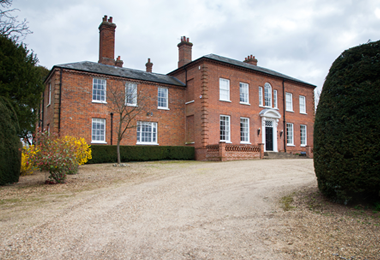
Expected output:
(107, 153)
(10, 145)
(347, 127)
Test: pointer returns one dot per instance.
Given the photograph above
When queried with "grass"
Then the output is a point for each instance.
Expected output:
(286, 202)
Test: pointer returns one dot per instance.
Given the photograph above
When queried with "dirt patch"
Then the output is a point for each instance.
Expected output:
(261, 209)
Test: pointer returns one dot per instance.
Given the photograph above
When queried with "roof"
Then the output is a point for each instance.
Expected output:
(247, 66)
(99, 68)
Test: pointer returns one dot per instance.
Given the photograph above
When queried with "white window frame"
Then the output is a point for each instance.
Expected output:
(289, 134)
(303, 137)
(289, 102)
(244, 130)
(97, 133)
(163, 100)
(224, 89)
(261, 96)
(130, 94)
(96, 84)
(267, 95)
(244, 93)
(302, 104)
(49, 96)
(275, 105)
(227, 128)
(140, 133)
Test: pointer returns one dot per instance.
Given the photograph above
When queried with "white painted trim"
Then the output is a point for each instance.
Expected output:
(189, 102)
(163, 108)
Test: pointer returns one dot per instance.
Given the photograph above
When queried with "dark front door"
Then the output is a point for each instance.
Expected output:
(268, 138)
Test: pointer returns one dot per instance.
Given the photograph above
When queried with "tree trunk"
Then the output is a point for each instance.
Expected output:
(118, 151)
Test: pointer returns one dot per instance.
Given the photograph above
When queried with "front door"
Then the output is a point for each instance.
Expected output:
(268, 136)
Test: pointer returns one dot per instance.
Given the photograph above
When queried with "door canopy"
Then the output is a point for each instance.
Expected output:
(270, 113)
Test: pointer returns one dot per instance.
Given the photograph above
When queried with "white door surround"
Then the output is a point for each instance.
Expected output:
(271, 115)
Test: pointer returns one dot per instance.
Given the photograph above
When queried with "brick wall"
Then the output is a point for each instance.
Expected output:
(78, 109)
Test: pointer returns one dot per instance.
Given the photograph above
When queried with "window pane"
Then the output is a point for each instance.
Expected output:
(260, 96)
(99, 90)
(302, 104)
(289, 133)
(224, 89)
(275, 98)
(268, 95)
(131, 93)
(303, 134)
(244, 129)
(147, 132)
(244, 92)
(224, 128)
(98, 130)
(289, 102)
(163, 97)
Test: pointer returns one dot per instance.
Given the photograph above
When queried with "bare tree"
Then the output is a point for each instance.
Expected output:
(9, 25)
(126, 104)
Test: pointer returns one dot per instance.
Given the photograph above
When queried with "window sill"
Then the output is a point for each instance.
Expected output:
(163, 108)
(139, 143)
(225, 100)
(291, 111)
(131, 105)
(99, 102)
(190, 143)
(192, 101)
(303, 113)
(98, 142)
(227, 142)
(243, 103)
(245, 142)
(265, 106)
(290, 145)
(303, 145)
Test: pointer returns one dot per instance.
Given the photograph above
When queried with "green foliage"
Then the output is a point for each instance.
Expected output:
(347, 126)
(108, 154)
(10, 157)
(21, 81)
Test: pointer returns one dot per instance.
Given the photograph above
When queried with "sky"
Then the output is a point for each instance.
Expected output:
(299, 38)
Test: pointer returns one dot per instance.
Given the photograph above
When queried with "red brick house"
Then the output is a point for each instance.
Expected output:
(226, 109)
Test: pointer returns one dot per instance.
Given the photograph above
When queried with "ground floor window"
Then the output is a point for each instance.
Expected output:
(289, 134)
(244, 130)
(303, 135)
(225, 128)
(98, 130)
(146, 133)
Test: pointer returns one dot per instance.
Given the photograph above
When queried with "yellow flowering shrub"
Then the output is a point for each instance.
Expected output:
(40, 155)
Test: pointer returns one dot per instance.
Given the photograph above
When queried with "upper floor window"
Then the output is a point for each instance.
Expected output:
(244, 93)
(49, 95)
(289, 102)
(260, 96)
(224, 89)
(289, 134)
(146, 133)
(131, 94)
(275, 99)
(163, 98)
(99, 90)
(244, 130)
(303, 135)
(225, 128)
(303, 104)
(98, 130)
(268, 95)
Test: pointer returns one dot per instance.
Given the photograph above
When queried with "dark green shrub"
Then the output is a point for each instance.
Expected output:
(347, 126)
(10, 153)
(107, 153)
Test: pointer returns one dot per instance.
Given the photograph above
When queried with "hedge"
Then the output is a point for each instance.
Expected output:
(347, 127)
(108, 154)
(10, 145)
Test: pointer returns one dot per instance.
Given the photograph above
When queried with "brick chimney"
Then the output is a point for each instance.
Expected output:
(184, 51)
(251, 60)
(149, 66)
(107, 41)
(119, 62)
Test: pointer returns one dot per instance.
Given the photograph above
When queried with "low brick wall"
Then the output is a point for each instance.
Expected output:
(229, 152)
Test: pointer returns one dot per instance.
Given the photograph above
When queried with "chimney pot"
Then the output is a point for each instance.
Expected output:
(110, 19)
(251, 60)
(105, 18)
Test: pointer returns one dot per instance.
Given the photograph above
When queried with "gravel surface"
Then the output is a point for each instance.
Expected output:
(183, 210)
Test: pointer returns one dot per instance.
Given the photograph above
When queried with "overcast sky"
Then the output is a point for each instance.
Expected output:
(299, 38)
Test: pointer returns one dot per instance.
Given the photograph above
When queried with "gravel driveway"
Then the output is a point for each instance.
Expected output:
(184, 210)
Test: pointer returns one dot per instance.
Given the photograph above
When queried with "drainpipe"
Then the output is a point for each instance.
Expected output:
(111, 126)
(283, 105)
(60, 101)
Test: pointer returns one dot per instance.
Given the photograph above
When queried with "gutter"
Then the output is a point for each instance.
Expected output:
(283, 106)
